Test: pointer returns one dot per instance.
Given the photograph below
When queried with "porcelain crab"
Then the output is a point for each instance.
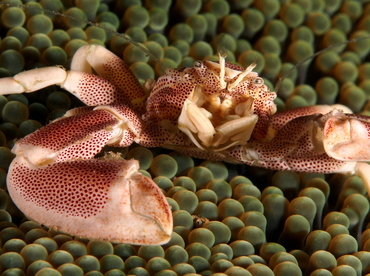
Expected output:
(213, 110)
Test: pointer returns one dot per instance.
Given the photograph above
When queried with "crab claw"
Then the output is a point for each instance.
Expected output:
(347, 136)
(98, 199)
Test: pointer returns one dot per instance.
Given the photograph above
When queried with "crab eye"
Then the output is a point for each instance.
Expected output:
(258, 81)
(198, 64)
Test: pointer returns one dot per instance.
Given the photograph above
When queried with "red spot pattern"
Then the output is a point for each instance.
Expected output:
(293, 149)
(94, 90)
(76, 188)
(135, 124)
(170, 92)
(155, 135)
(236, 155)
(316, 164)
(119, 74)
(168, 96)
(78, 111)
(233, 66)
(86, 149)
(282, 118)
(201, 154)
(115, 84)
(67, 131)
(129, 115)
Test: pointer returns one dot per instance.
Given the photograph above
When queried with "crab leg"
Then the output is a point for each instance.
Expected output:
(334, 142)
(89, 58)
(280, 119)
(54, 181)
(114, 82)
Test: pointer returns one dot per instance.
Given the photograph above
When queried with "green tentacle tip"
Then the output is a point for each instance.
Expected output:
(15, 112)
(199, 25)
(173, 53)
(221, 232)
(272, 67)
(327, 89)
(233, 25)
(296, 101)
(352, 96)
(136, 16)
(326, 61)
(13, 17)
(184, 163)
(200, 50)
(360, 46)
(224, 42)
(186, 8)
(353, 8)
(164, 165)
(158, 19)
(260, 269)
(181, 31)
(218, 169)
(206, 195)
(307, 92)
(185, 182)
(268, 45)
(254, 21)
(74, 12)
(93, 32)
(186, 200)
(246, 189)
(157, 264)
(12, 60)
(276, 28)
(132, 54)
(287, 268)
(11, 260)
(201, 176)
(251, 56)
(230, 208)
(202, 235)
(220, 8)
(318, 22)
(278, 255)
(292, 14)
(10, 42)
(322, 260)
(76, 33)
(142, 71)
(299, 50)
(205, 211)
(270, 8)
(39, 24)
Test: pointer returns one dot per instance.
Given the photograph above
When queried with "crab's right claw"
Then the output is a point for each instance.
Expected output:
(98, 199)
(347, 138)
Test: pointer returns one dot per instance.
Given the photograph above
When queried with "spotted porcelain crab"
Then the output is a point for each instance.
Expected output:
(214, 110)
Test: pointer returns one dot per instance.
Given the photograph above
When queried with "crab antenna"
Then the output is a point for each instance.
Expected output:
(122, 35)
(315, 55)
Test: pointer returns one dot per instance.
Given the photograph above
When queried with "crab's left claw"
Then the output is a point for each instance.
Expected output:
(97, 199)
(347, 138)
